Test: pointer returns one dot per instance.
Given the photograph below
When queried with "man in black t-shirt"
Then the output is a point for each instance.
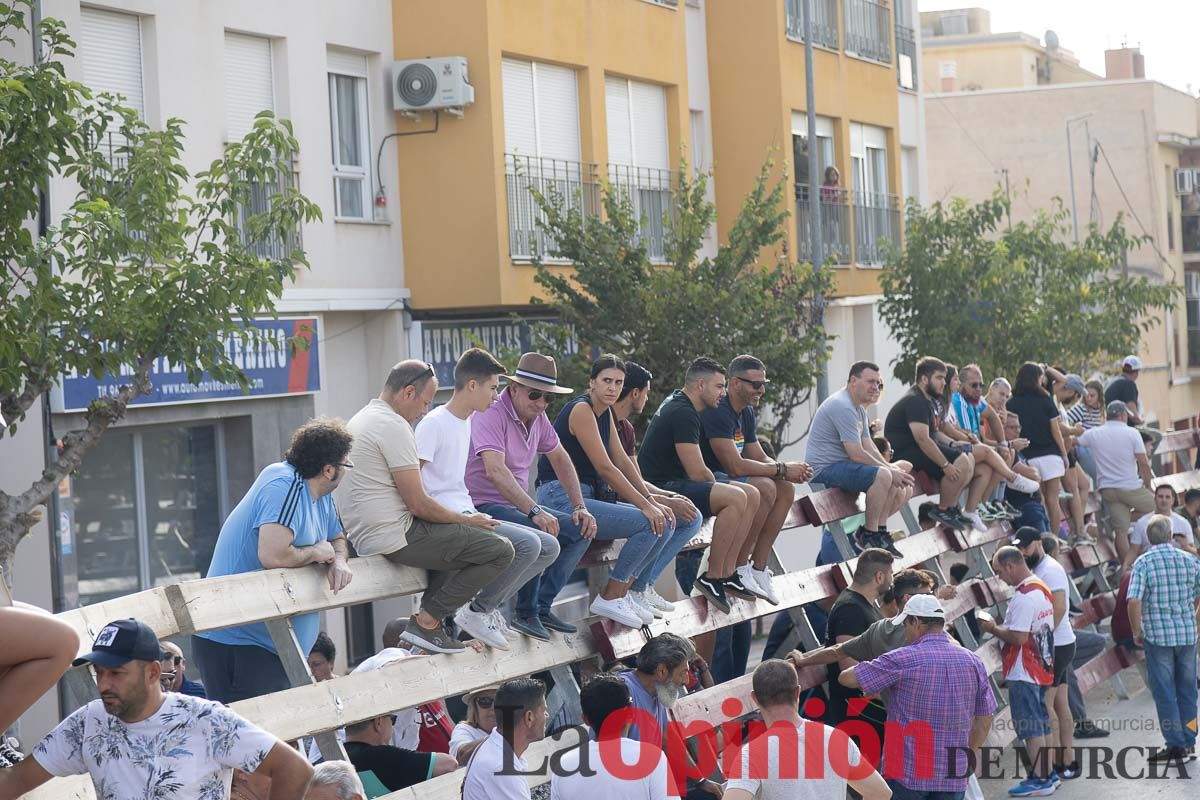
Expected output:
(852, 613)
(368, 745)
(731, 450)
(671, 459)
(912, 428)
(1124, 388)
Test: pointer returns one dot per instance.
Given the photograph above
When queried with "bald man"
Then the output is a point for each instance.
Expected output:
(174, 673)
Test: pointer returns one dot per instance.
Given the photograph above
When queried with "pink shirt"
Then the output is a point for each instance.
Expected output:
(499, 429)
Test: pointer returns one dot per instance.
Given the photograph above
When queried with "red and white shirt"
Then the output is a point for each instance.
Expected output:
(1031, 611)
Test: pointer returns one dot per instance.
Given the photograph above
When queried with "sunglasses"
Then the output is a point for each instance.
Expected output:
(426, 373)
(756, 384)
(485, 702)
(975, 385)
(536, 394)
(393, 718)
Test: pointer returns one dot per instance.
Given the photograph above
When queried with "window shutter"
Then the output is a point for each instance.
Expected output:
(620, 138)
(345, 63)
(249, 84)
(557, 96)
(520, 134)
(649, 112)
(111, 52)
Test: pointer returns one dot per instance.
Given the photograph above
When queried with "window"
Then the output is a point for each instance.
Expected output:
(1191, 284)
(638, 154)
(350, 135)
(249, 82)
(110, 49)
(876, 211)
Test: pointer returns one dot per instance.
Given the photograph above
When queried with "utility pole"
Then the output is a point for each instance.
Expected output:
(1071, 171)
(816, 246)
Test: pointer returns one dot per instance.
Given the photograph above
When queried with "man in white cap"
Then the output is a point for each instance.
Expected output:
(1124, 388)
(935, 683)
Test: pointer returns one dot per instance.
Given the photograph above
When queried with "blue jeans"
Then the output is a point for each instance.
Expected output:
(1171, 673)
(1029, 715)
(684, 532)
(902, 792)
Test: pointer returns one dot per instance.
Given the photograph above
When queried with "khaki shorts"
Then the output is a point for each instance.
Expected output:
(1123, 504)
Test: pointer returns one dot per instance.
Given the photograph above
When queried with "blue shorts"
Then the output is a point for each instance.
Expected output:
(1029, 716)
(724, 478)
(848, 475)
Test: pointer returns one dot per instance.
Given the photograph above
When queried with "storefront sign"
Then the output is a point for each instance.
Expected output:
(443, 342)
(272, 365)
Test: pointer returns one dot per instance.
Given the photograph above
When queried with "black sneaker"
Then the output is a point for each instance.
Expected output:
(960, 516)
(883, 540)
(1169, 754)
(713, 590)
(735, 587)
(437, 640)
(1069, 772)
(1086, 729)
(944, 516)
(556, 623)
(1011, 511)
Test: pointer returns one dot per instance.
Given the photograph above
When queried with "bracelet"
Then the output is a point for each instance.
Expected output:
(580, 507)
(780, 469)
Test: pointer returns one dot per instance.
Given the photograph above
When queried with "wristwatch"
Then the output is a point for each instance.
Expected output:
(533, 512)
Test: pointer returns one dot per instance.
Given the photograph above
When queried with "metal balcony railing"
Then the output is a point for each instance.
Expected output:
(649, 190)
(869, 30)
(876, 223)
(824, 21)
(906, 53)
(835, 225)
(573, 183)
(258, 201)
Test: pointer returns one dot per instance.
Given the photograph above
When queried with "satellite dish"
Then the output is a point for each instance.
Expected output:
(1051, 40)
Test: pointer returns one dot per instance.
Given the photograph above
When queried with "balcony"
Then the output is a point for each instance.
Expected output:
(258, 202)
(824, 21)
(573, 183)
(876, 225)
(835, 226)
(649, 191)
(906, 58)
(1189, 219)
(868, 30)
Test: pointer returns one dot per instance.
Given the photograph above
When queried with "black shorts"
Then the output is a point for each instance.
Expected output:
(923, 463)
(698, 492)
(1064, 656)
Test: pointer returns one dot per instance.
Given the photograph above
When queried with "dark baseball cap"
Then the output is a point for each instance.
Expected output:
(1025, 536)
(120, 642)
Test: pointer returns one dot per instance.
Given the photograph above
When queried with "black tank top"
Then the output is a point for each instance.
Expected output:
(562, 426)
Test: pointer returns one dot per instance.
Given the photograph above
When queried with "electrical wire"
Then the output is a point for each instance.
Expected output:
(1133, 213)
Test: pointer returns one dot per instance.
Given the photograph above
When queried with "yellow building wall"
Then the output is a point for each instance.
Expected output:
(980, 66)
(452, 184)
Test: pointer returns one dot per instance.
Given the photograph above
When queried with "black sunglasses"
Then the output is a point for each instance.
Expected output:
(975, 385)
(426, 373)
(756, 384)
(485, 702)
(536, 394)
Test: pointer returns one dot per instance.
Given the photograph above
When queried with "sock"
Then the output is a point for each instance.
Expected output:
(475, 607)
(884, 531)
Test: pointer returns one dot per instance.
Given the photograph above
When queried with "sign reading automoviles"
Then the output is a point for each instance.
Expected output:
(272, 364)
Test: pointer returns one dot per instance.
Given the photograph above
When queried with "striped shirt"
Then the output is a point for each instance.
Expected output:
(1167, 581)
(1083, 414)
(967, 414)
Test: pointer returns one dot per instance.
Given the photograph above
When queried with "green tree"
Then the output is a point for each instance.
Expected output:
(664, 316)
(968, 288)
(147, 262)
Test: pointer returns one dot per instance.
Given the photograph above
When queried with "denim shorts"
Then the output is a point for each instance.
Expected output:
(1029, 716)
(848, 475)
(723, 477)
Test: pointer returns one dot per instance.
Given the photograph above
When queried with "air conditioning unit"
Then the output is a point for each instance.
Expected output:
(1185, 181)
(429, 84)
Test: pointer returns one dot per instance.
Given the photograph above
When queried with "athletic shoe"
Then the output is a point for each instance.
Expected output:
(480, 625)
(1086, 729)
(713, 590)
(763, 578)
(986, 512)
(617, 610)
(10, 755)
(557, 623)
(976, 521)
(1012, 511)
(1069, 772)
(883, 540)
(1023, 485)
(735, 587)
(639, 599)
(437, 640)
(947, 518)
(655, 600)
(644, 613)
(958, 513)
(746, 574)
(531, 627)
(1169, 754)
(1054, 779)
(503, 626)
(1032, 787)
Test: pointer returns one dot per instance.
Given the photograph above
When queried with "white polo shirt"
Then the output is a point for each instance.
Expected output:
(1115, 446)
(485, 779)
(603, 785)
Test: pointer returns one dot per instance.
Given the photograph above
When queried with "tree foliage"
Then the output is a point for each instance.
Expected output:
(665, 315)
(967, 289)
(147, 262)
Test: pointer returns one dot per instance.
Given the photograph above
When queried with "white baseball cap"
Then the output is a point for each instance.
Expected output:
(1132, 363)
(921, 605)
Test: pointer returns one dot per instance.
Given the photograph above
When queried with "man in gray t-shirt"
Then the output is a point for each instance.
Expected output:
(842, 453)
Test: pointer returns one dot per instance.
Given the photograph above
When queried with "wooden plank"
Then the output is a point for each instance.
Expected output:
(1082, 556)
(1001, 734)
(706, 704)
(1103, 667)
(990, 655)
(1178, 441)
(1180, 481)
(973, 594)
(1095, 608)
(74, 787)
(829, 505)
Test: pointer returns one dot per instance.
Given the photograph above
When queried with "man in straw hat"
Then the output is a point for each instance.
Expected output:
(505, 441)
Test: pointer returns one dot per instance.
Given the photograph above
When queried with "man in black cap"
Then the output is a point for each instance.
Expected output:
(137, 742)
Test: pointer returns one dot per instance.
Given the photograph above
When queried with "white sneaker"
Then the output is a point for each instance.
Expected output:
(746, 573)
(762, 577)
(656, 601)
(976, 521)
(639, 600)
(481, 626)
(502, 626)
(616, 610)
(644, 611)
(1023, 485)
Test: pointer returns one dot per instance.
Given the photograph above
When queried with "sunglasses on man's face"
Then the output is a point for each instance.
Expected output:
(756, 384)
(975, 385)
(536, 394)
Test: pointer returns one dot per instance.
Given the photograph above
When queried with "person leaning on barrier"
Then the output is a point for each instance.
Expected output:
(370, 749)
(175, 678)
(387, 510)
(287, 519)
(1123, 473)
(335, 780)
(135, 741)
(521, 717)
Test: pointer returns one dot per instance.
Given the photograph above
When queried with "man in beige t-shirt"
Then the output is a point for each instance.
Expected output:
(385, 509)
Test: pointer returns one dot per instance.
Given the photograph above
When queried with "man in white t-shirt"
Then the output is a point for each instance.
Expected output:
(1062, 724)
(493, 771)
(443, 445)
(1122, 471)
(618, 768)
(136, 741)
(776, 694)
(1164, 504)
